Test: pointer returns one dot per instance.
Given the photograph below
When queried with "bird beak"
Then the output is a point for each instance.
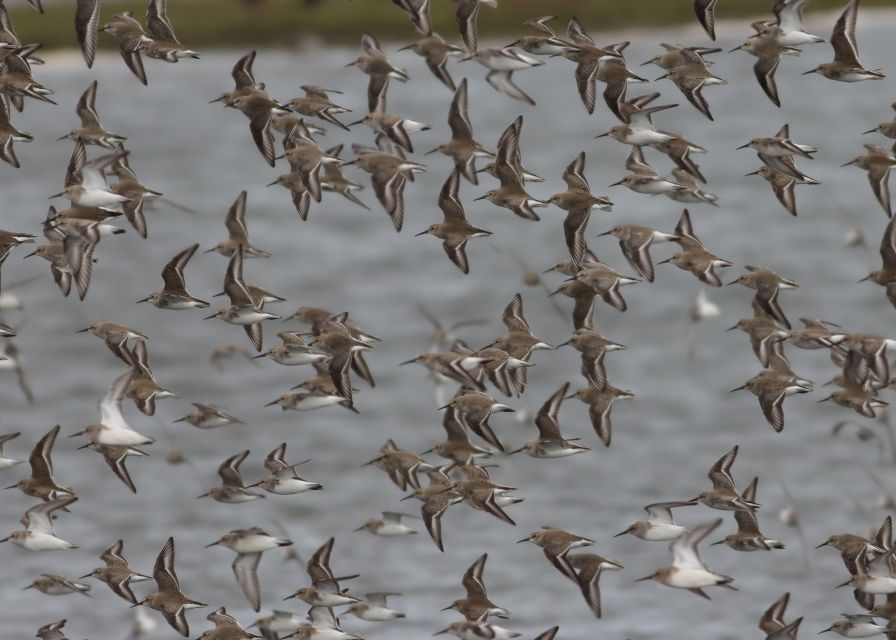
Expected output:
(423, 453)
(448, 608)
(138, 301)
(408, 497)
(825, 399)
(212, 544)
(644, 578)
(444, 406)
(616, 184)
(271, 404)
(479, 198)
(665, 261)
(823, 544)
(422, 233)
(731, 328)
(12, 486)
(738, 388)
(75, 435)
(846, 164)
(623, 532)
(33, 253)
(826, 630)
(605, 233)
(869, 131)
(210, 317)
(82, 330)
(805, 73)
(737, 48)
(752, 173)
(744, 146)
(204, 495)
(358, 529)
(352, 124)
(87, 576)
(430, 152)
(523, 540)
(350, 64)
(603, 135)
(58, 195)
(845, 584)
(865, 279)
(290, 597)
(28, 587)
(271, 184)
(510, 453)
(720, 541)
(438, 633)
(347, 162)
(644, 64)
(549, 270)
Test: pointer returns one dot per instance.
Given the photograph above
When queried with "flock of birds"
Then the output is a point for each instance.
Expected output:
(104, 188)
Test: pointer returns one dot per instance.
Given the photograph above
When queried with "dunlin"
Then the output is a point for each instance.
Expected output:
(772, 621)
(16, 81)
(639, 129)
(846, 66)
(334, 180)
(724, 495)
(325, 590)
(887, 128)
(772, 386)
(284, 480)
(174, 295)
(115, 456)
(8, 135)
(787, 29)
(550, 443)
(374, 608)
(607, 282)
(131, 39)
(583, 295)
(249, 544)
(660, 524)
(593, 347)
(208, 416)
(6, 463)
(782, 186)
(462, 147)
(232, 490)
(477, 630)
(143, 388)
(877, 162)
(543, 41)
(436, 52)
(55, 585)
(501, 64)
(472, 409)
(388, 175)
(511, 194)
(165, 45)
(169, 600)
(857, 625)
(777, 152)
(556, 544)
(600, 404)
(635, 241)
(418, 12)
(676, 55)
(768, 51)
(279, 623)
(480, 493)
(455, 230)
(748, 536)
(85, 185)
(375, 64)
(766, 337)
(388, 526)
(243, 80)
(886, 275)
(767, 284)
(52, 631)
(690, 79)
(687, 570)
(643, 178)
(316, 103)
(41, 483)
(467, 13)
(116, 336)
(706, 14)
(594, 63)
(113, 429)
(578, 202)
(38, 534)
(91, 130)
(476, 605)
(588, 567)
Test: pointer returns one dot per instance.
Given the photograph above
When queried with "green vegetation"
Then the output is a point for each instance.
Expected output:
(219, 23)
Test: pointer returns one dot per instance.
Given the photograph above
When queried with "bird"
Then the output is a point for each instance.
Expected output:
(846, 66)
(660, 524)
(550, 443)
(39, 534)
(169, 600)
(249, 544)
(724, 495)
(116, 573)
(232, 490)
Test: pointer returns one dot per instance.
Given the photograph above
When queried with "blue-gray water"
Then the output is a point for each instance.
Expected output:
(347, 258)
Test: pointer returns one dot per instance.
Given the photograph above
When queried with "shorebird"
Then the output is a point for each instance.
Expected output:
(467, 630)
(748, 536)
(38, 534)
(724, 495)
(476, 605)
(706, 14)
(588, 567)
(41, 483)
(113, 429)
(767, 284)
(169, 600)
(396, 128)
(243, 80)
(174, 295)
(55, 585)
(164, 44)
(374, 608)
(635, 241)
(8, 135)
(877, 162)
(593, 347)
(787, 29)
(232, 490)
(389, 526)
(857, 625)
(455, 230)
(501, 64)
(600, 402)
(375, 64)
(846, 66)
(208, 416)
(249, 544)
(578, 202)
(638, 128)
(117, 574)
(467, 13)
(777, 153)
(115, 457)
(887, 128)
(660, 525)
(85, 185)
(550, 443)
(91, 130)
(316, 103)
(768, 51)
(131, 40)
(772, 621)
(676, 55)
(116, 336)
(556, 544)
(325, 590)
(886, 275)
(511, 194)
(766, 337)
(283, 479)
(687, 570)
(389, 172)
(690, 78)
(462, 147)
(643, 178)
(6, 463)
(436, 51)
(473, 409)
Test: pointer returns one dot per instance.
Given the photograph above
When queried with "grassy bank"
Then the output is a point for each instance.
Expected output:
(221, 23)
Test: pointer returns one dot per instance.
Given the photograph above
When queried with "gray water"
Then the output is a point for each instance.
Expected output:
(346, 258)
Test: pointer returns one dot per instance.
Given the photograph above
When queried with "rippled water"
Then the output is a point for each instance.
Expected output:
(346, 258)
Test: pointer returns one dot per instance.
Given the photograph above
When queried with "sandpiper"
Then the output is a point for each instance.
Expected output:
(113, 429)
(208, 416)
(476, 605)
(249, 544)
(550, 443)
(543, 41)
(857, 625)
(55, 585)
(556, 544)
(52, 630)
(374, 608)
(687, 570)
(388, 526)
(886, 275)
(91, 130)
(782, 186)
(676, 55)
(501, 64)
(131, 39)
(467, 13)
(724, 495)
(887, 128)
(278, 623)
(593, 347)
(325, 590)
(462, 147)
(767, 284)
(606, 281)
(846, 66)
(389, 173)
(116, 336)
(511, 194)
(8, 135)
(232, 490)
(41, 483)
(174, 295)
(375, 64)
(475, 630)
(472, 409)
(39, 534)
(164, 45)
(635, 241)
(243, 80)
(455, 230)
(6, 463)
(639, 129)
(283, 478)
(643, 178)
(316, 103)
(660, 524)
(116, 456)
(85, 185)
(748, 536)
(578, 202)
(588, 568)
(691, 192)
(787, 29)
(766, 337)
(768, 51)
(772, 621)
(433, 48)
(690, 79)
(600, 403)
(169, 600)
(777, 152)
(877, 162)
(706, 14)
